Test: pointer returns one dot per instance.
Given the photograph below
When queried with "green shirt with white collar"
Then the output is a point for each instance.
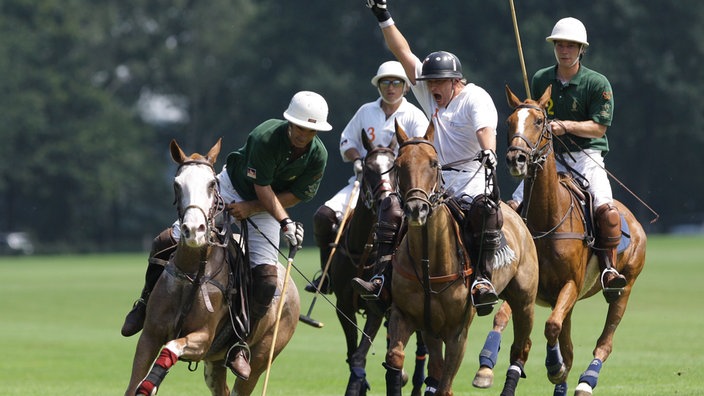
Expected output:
(265, 160)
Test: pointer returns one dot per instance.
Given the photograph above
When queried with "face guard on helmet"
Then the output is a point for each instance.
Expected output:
(439, 65)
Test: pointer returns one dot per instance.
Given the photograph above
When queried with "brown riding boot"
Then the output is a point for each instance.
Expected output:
(608, 223)
(264, 283)
(162, 248)
(324, 227)
(376, 290)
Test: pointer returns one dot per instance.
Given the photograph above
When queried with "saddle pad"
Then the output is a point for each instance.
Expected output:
(625, 236)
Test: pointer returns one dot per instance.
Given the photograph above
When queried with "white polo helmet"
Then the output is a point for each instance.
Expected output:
(390, 69)
(308, 110)
(569, 29)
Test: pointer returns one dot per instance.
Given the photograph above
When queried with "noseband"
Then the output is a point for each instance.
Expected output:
(435, 196)
(537, 154)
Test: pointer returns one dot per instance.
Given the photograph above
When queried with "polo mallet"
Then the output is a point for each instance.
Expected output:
(520, 49)
(291, 254)
(306, 318)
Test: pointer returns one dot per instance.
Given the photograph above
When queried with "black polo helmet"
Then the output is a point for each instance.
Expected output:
(440, 64)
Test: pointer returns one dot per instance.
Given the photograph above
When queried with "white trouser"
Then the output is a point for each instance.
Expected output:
(590, 164)
(338, 202)
(261, 250)
(467, 184)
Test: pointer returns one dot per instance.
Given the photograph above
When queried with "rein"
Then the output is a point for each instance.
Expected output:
(538, 155)
(199, 280)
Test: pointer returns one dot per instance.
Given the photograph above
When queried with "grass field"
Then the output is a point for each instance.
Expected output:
(60, 318)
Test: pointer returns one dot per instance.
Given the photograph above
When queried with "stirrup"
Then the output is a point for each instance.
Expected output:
(603, 285)
(374, 296)
(482, 282)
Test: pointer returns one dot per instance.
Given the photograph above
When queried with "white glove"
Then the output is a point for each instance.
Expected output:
(488, 157)
(293, 232)
(358, 168)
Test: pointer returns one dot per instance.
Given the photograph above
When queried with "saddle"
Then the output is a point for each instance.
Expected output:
(580, 193)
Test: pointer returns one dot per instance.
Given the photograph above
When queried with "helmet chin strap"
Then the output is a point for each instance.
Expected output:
(388, 101)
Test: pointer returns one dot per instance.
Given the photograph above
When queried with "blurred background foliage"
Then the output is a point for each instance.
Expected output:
(92, 93)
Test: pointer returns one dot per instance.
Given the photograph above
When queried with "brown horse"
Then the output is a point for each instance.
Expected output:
(568, 266)
(188, 306)
(354, 257)
(431, 275)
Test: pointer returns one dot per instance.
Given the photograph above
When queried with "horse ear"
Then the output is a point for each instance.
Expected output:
(400, 133)
(176, 153)
(430, 132)
(366, 143)
(212, 155)
(512, 99)
(543, 102)
(393, 144)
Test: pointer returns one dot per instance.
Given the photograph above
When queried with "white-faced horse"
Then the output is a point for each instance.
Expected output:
(189, 304)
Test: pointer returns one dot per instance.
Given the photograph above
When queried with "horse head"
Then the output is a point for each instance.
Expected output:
(419, 175)
(529, 139)
(379, 173)
(196, 193)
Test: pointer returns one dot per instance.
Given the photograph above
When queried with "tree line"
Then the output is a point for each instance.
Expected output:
(94, 91)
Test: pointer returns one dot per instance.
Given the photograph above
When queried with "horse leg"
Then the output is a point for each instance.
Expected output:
(555, 331)
(399, 332)
(522, 327)
(419, 368)
(147, 348)
(167, 358)
(215, 375)
(357, 384)
(454, 353)
(565, 351)
(589, 378)
(484, 378)
(435, 363)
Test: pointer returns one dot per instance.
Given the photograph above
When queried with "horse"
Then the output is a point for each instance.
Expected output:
(354, 257)
(188, 307)
(568, 266)
(432, 276)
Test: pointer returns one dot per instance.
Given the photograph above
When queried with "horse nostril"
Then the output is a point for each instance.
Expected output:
(521, 159)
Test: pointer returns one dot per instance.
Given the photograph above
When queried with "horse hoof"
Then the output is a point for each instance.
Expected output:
(558, 377)
(484, 378)
(404, 377)
(583, 389)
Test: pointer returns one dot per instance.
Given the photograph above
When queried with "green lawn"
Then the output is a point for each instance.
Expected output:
(60, 318)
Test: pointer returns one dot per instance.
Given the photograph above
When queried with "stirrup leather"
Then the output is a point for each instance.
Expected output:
(480, 282)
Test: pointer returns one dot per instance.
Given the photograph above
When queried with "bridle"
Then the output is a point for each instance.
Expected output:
(374, 193)
(538, 154)
(436, 194)
(217, 206)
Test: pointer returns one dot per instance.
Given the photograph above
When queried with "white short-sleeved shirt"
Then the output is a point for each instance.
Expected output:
(456, 129)
(379, 129)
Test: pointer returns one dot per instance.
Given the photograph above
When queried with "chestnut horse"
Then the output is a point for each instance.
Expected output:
(354, 258)
(569, 269)
(189, 304)
(431, 275)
